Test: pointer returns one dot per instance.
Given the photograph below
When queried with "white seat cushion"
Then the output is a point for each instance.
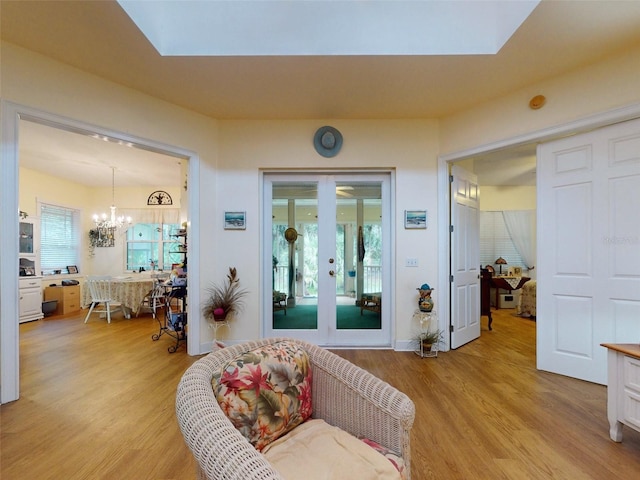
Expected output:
(316, 450)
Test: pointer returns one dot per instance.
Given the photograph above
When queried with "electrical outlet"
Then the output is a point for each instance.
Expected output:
(411, 262)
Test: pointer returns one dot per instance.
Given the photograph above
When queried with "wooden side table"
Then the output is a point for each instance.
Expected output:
(623, 387)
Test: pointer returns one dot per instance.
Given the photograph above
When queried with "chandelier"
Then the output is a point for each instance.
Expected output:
(111, 222)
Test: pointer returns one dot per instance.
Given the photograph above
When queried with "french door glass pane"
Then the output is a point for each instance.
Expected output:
(358, 255)
(295, 255)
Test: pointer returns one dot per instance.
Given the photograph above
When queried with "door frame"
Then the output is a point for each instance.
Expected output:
(590, 122)
(388, 282)
(10, 115)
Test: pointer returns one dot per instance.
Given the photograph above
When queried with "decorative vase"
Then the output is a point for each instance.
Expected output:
(425, 302)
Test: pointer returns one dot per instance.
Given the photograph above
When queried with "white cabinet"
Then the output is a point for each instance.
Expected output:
(29, 241)
(623, 388)
(30, 295)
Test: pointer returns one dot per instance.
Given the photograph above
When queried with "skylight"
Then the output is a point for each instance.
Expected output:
(327, 27)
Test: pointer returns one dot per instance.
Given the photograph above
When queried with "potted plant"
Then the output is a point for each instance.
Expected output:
(224, 299)
(427, 339)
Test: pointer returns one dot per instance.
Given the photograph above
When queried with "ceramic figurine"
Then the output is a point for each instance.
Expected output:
(425, 302)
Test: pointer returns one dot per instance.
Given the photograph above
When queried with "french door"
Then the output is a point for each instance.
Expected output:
(326, 279)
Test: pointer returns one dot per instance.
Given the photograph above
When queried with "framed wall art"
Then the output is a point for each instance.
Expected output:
(235, 220)
(415, 219)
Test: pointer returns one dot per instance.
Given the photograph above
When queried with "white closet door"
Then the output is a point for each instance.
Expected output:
(588, 249)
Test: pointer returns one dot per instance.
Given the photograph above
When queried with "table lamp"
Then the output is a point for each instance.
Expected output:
(500, 261)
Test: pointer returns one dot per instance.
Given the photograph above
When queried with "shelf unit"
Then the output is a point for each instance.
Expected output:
(182, 247)
(425, 319)
(29, 278)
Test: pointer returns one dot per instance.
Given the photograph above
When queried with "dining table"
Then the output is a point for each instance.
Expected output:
(127, 290)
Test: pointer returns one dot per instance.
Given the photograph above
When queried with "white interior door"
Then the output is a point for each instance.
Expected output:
(465, 257)
(588, 257)
(340, 253)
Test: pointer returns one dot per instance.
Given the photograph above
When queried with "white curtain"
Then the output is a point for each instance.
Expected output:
(521, 225)
(152, 215)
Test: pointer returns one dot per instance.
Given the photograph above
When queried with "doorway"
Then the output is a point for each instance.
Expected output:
(328, 273)
(12, 115)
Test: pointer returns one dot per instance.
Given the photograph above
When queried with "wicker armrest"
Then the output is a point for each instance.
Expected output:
(343, 395)
(356, 401)
(219, 448)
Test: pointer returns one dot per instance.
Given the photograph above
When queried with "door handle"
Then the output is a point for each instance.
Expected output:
(332, 273)
(331, 260)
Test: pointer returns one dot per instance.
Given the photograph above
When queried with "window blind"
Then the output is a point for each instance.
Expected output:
(496, 242)
(59, 238)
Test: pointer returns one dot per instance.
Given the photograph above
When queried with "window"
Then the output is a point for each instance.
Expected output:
(154, 246)
(496, 242)
(59, 238)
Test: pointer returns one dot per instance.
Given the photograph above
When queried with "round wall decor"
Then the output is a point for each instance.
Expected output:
(327, 141)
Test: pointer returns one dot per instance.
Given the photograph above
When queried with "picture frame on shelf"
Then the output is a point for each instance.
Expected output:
(415, 219)
(72, 269)
(235, 220)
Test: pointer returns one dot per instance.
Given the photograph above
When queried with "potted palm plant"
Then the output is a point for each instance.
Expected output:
(426, 339)
(224, 300)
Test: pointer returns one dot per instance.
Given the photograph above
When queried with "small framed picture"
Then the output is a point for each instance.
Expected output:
(517, 271)
(235, 220)
(415, 219)
(72, 269)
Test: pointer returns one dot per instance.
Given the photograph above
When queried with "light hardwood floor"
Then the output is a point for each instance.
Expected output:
(97, 402)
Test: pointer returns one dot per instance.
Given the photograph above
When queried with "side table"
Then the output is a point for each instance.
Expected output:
(425, 320)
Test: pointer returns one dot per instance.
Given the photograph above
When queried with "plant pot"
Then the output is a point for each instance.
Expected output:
(220, 318)
(426, 346)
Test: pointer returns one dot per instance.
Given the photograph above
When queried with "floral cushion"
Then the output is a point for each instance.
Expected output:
(266, 392)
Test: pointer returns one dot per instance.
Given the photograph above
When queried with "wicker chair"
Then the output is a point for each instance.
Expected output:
(344, 395)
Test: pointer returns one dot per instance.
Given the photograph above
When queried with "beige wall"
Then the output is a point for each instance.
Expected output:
(408, 148)
(35, 186)
(233, 153)
(507, 198)
(597, 88)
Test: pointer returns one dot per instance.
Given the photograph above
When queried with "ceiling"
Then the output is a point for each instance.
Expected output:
(89, 160)
(320, 27)
(99, 37)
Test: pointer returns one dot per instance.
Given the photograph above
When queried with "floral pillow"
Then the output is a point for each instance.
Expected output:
(266, 392)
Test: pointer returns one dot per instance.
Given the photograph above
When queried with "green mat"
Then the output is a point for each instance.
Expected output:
(303, 317)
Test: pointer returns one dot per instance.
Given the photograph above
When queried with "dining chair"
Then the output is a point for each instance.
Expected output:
(156, 297)
(100, 291)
